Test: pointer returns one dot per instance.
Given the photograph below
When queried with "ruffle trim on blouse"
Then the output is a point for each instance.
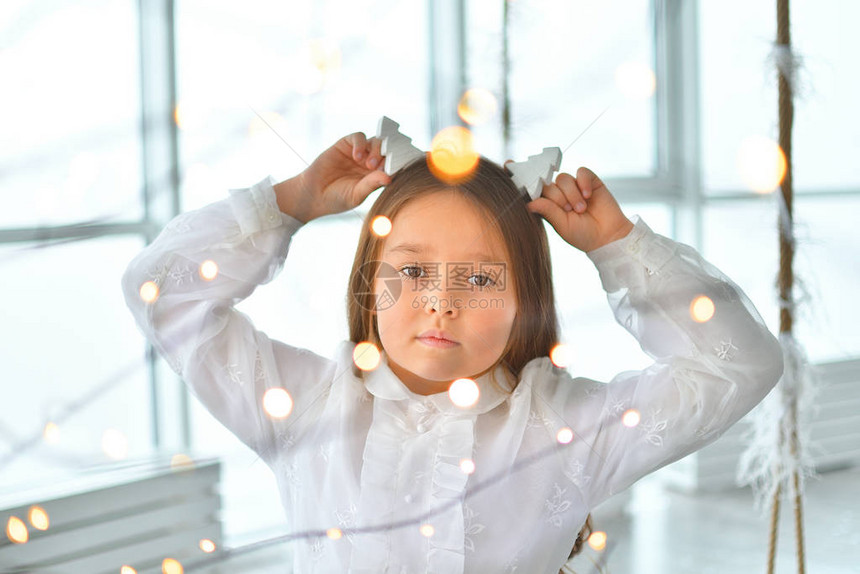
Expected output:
(379, 473)
(382, 455)
(384, 384)
(456, 442)
(380, 502)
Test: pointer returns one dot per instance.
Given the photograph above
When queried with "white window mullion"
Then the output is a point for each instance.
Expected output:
(678, 112)
(159, 137)
(447, 61)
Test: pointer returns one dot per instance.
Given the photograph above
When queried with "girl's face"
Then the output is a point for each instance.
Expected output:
(454, 273)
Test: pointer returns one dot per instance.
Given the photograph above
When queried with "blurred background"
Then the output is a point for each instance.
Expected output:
(116, 115)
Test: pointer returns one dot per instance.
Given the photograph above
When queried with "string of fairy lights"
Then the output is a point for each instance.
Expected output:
(453, 153)
(277, 403)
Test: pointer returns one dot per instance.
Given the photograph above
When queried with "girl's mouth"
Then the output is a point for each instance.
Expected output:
(437, 342)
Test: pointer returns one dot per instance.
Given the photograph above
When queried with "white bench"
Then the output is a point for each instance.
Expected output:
(136, 515)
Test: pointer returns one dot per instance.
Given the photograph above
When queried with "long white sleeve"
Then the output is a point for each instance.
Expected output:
(706, 375)
(193, 324)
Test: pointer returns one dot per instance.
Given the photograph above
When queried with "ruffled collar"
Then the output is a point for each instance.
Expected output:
(384, 384)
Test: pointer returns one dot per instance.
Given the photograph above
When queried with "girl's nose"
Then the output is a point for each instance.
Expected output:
(444, 305)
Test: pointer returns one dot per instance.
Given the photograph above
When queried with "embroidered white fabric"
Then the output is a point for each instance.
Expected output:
(379, 462)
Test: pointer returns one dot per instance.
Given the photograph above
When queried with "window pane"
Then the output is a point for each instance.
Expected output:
(72, 356)
(742, 239)
(69, 148)
(826, 266)
(739, 93)
(306, 305)
(570, 61)
(312, 78)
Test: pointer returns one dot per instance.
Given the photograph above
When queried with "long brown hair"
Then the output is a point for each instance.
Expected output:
(490, 189)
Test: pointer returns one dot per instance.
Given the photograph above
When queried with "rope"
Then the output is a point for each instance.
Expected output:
(786, 119)
(786, 277)
(798, 524)
(774, 522)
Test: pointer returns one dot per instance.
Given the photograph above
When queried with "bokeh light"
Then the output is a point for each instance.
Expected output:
(597, 540)
(702, 309)
(325, 55)
(761, 164)
(181, 462)
(631, 418)
(467, 465)
(560, 355)
(319, 60)
(149, 292)
(171, 566)
(477, 106)
(635, 80)
(126, 569)
(564, 435)
(51, 433)
(209, 270)
(16, 530)
(38, 518)
(334, 533)
(278, 403)
(207, 546)
(427, 530)
(452, 156)
(464, 393)
(381, 226)
(366, 356)
(192, 114)
(114, 444)
(177, 117)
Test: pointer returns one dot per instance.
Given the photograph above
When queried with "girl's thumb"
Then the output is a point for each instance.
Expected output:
(539, 206)
(370, 182)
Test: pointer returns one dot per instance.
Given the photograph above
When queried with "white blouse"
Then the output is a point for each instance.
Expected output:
(383, 464)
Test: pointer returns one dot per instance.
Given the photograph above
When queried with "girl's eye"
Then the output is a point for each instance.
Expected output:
(406, 271)
(483, 280)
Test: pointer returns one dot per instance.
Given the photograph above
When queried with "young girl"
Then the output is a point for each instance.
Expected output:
(403, 479)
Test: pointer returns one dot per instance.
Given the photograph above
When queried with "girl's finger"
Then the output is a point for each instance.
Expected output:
(571, 191)
(370, 182)
(358, 141)
(588, 182)
(554, 193)
(550, 211)
(374, 159)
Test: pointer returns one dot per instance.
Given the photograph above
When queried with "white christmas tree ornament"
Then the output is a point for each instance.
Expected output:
(396, 147)
(530, 176)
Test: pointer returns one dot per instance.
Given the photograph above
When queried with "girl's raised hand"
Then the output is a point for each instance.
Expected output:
(338, 180)
(582, 210)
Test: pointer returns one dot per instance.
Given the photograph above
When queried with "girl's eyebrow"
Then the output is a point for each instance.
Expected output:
(418, 249)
